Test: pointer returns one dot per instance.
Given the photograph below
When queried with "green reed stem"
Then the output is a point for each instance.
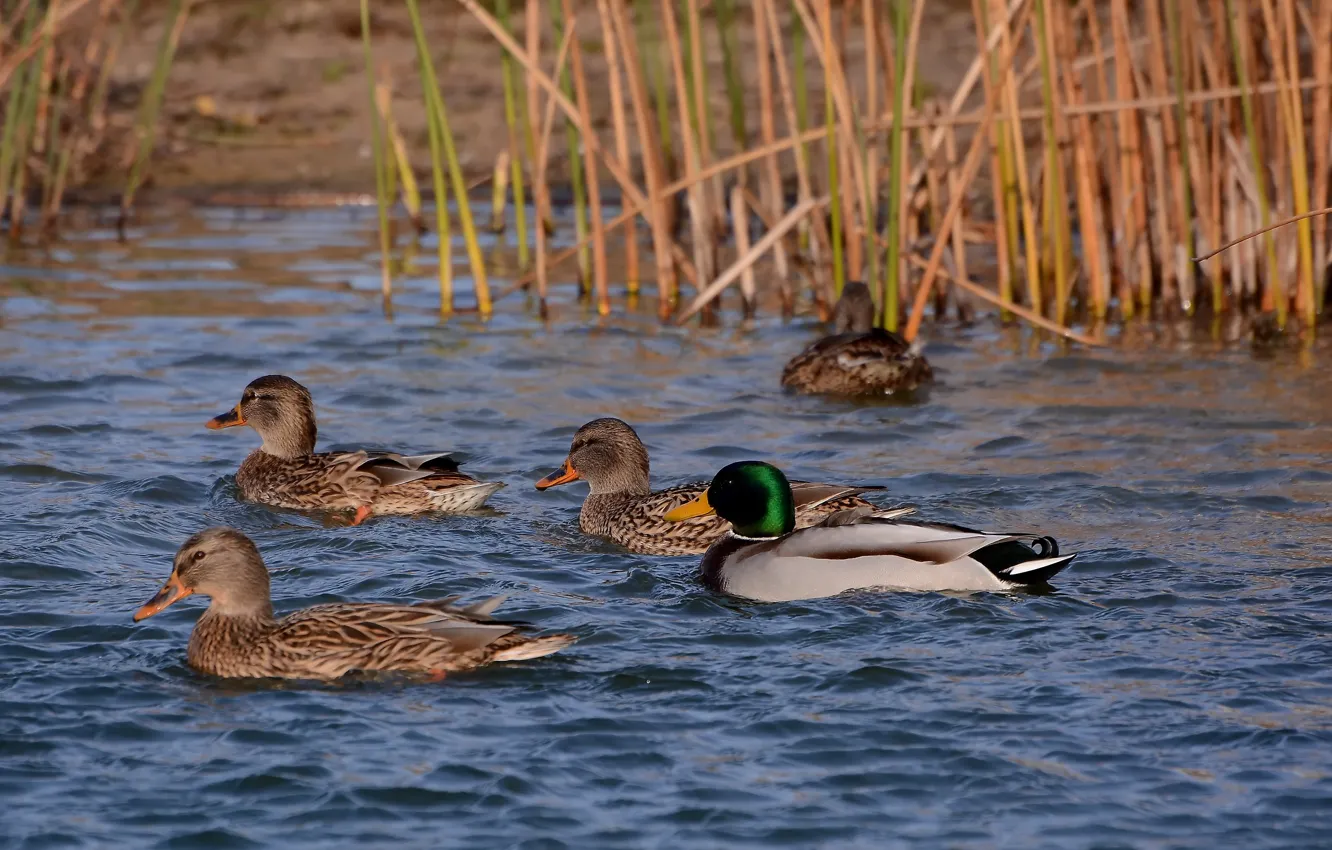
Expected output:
(576, 183)
(511, 117)
(800, 83)
(400, 166)
(14, 109)
(97, 101)
(152, 101)
(1175, 33)
(735, 84)
(474, 256)
(654, 65)
(12, 141)
(834, 180)
(27, 116)
(702, 126)
(687, 96)
(1055, 199)
(377, 145)
(53, 152)
(1008, 183)
(1256, 161)
(61, 172)
(897, 156)
(441, 134)
(390, 165)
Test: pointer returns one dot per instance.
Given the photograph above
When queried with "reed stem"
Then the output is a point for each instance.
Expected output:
(1056, 207)
(1184, 190)
(1237, 26)
(590, 169)
(735, 84)
(15, 110)
(512, 105)
(655, 69)
(146, 131)
(653, 164)
(837, 231)
(443, 230)
(574, 145)
(897, 147)
(800, 87)
(377, 145)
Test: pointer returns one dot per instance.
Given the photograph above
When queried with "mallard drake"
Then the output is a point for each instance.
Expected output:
(766, 559)
(621, 505)
(858, 359)
(286, 472)
(238, 636)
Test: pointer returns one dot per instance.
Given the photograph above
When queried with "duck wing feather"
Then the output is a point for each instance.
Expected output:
(809, 494)
(440, 461)
(393, 469)
(340, 629)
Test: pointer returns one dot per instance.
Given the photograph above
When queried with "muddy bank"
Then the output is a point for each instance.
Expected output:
(271, 97)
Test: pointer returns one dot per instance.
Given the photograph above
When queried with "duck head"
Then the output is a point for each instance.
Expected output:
(607, 454)
(754, 497)
(854, 312)
(280, 409)
(220, 563)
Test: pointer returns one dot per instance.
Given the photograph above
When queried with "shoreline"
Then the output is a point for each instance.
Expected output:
(275, 100)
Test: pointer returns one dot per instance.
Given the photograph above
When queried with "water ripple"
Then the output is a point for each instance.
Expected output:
(1174, 691)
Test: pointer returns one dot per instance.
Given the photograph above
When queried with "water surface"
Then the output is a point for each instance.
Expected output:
(1176, 690)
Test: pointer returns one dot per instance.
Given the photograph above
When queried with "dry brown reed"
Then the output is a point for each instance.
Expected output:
(53, 92)
(1097, 148)
(1164, 128)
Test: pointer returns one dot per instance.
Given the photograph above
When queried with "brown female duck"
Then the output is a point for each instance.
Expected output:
(238, 636)
(621, 505)
(858, 359)
(286, 472)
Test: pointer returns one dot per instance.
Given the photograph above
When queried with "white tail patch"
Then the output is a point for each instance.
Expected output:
(1052, 565)
(894, 513)
(534, 648)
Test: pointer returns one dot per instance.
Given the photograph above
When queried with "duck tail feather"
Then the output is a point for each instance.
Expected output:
(894, 513)
(486, 607)
(534, 648)
(1038, 571)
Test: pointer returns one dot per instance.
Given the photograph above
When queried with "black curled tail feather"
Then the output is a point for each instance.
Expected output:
(1048, 547)
(1018, 549)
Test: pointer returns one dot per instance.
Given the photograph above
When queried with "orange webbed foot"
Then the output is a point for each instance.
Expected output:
(361, 513)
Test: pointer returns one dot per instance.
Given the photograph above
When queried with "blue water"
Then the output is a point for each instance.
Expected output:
(1175, 692)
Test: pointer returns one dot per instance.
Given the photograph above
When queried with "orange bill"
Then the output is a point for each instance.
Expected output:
(172, 592)
(563, 475)
(230, 419)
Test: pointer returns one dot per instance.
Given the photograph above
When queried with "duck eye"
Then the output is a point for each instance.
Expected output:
(199, 556)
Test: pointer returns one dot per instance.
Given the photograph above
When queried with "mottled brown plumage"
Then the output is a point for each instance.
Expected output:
(285, 471)
(238, 636)
(622, 506)
(858, 358)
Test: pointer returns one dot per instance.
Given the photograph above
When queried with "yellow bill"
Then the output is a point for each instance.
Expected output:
(698, 507)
